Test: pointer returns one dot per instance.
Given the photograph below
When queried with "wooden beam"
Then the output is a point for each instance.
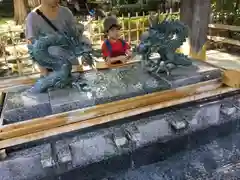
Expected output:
(224, 40)
(111, 117)
(232, 78)
(10, 82)
(3, 154)
(103, 65)
(229, 64)
(225, 27)
(39, 124)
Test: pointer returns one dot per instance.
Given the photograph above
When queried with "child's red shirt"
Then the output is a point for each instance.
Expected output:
(118, 48)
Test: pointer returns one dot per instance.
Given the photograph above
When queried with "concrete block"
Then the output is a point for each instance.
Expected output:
(26, 164)
(21, 168)
(47, 160)
(196, 73)
(120, 139)
(230, 107)
(63, 152)
(90, 150)
(199, 116)
(134, 135)
(19, 108)
(154, 130)
(117, 84)
(63, 100)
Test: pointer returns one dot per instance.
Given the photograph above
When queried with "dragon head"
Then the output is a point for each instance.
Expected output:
(81, 45)
(87, 59)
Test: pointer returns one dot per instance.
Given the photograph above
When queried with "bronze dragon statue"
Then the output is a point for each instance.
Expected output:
(71, 41)
(163, 38)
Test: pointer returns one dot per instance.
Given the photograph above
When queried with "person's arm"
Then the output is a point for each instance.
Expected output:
(69, 15)
(72, 21)
(31, 31)
(111, 60)
(31, 34)
(128, 50)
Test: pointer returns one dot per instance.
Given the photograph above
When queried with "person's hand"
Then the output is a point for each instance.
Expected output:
(129, 54)
(123, 59)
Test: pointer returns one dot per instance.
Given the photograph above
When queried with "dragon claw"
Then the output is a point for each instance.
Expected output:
(80, 86)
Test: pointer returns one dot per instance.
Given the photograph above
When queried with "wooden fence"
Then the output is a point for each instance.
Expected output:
(132, 27)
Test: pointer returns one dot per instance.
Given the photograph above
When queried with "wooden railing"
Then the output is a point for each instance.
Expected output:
(223, 28)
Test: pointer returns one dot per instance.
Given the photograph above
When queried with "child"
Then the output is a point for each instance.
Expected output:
(114, 49)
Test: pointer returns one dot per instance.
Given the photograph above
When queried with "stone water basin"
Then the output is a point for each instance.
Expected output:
(104, 86)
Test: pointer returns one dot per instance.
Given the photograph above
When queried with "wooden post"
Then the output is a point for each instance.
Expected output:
(137, 27)
(143, 23)
(129, 28)
(100, 34)
(123, 27)
(195, 13)
(20, 11)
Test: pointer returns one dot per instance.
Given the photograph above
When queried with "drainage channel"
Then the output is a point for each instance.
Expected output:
(192, 141)
(210, 153)
(217, 160)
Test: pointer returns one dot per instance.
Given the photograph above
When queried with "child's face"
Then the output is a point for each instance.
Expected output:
(114, 33)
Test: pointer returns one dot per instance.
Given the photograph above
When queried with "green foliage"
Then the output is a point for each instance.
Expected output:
(226, 11)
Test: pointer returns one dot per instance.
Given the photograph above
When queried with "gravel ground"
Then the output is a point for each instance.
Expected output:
(218, 160)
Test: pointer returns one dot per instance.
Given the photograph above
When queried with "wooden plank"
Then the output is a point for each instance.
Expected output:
(232, 78)
(3, 154)
(224, 40)
(34, 125)
(223, 60)
(14, 58)
(24, 80)
(224, 27)
(230, 64)
(111, 117)
(102, 65)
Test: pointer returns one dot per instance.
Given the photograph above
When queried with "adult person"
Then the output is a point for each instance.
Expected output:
(55, 43)
(61, 17)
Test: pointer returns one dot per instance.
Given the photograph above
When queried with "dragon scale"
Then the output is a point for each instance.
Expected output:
(164, 38)
(70, 42)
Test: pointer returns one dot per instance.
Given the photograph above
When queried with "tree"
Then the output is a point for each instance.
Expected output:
(22, 7)
(20, 11)
(196, 14)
